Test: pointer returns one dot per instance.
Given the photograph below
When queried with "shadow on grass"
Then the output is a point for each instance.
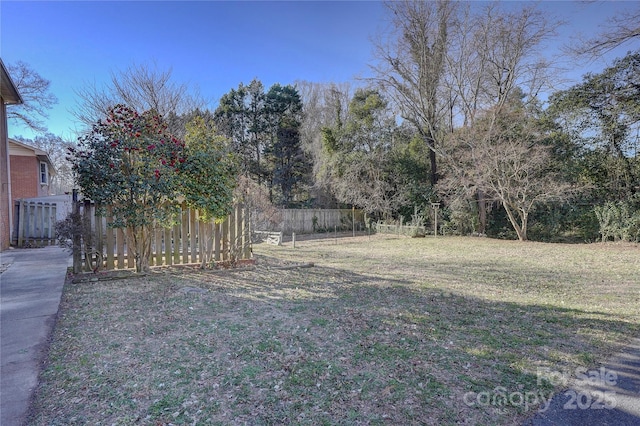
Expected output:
(312, 345)
(473, 344)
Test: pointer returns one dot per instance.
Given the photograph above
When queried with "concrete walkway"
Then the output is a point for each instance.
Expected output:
(31, 282)
(605, 396)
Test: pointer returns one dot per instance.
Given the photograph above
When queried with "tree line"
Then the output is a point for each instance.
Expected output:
(455, 112)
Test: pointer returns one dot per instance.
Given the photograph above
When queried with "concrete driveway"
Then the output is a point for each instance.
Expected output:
(31, 282)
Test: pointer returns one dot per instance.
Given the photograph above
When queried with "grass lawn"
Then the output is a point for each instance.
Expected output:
(382, 330)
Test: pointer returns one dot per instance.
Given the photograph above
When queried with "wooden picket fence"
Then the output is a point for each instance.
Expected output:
(34, 224)
(104, 247)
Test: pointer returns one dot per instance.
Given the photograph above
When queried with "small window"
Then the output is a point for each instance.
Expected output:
(44, 173)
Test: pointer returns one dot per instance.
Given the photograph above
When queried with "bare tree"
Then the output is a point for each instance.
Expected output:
(37, 100)
(620, 30)
(412, 63)
(503, 156)
(140, 87)
(494, 54)
(444, 62)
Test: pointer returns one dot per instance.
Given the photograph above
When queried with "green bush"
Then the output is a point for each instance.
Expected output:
(619, 220)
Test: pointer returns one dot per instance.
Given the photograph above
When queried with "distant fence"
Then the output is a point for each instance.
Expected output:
(105, 247)
(401, 229)
(34, 224)
(307, 221)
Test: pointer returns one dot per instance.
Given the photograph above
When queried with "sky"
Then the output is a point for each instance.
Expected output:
(213, 46)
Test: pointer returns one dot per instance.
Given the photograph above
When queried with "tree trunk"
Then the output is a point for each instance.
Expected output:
(139, 245)
(520, 230)
(434, 172)
(207, 244)
(482, 212)
(433, 176)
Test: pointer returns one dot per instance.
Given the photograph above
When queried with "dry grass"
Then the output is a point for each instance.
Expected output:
(381, 331)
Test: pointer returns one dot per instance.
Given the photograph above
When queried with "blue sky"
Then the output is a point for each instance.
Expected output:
(215, 45)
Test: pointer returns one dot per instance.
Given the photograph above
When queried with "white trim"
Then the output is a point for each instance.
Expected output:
(43, 175)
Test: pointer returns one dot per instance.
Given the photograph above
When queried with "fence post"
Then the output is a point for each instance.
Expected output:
(21, 219)
(76, 235)
(435, 207)
(87, 236)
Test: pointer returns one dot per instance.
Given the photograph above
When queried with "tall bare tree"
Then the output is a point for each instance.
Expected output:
(141, 87)
(37, 99)
(495, 54)
(411, 66)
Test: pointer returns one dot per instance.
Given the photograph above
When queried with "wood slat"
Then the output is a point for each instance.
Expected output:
(184, 229)
(120, 248)
(217, 232)
(193, 232)
(110, 240)
(176, 244)
(225, 240)
(99, 239)
(168, 255)
(158, 246)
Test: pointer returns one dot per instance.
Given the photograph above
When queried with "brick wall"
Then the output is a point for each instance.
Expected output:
(24, 177)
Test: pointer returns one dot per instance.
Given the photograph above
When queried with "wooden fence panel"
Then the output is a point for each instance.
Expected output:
(306, 221)
(104, 247)
(34, 223)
